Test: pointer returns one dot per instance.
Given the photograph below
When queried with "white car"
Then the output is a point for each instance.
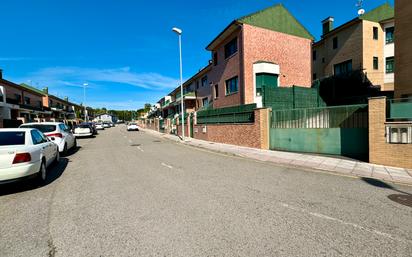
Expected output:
(99, 126)
(106, 125)
(83, 130)
(132, 126)
(57, 132)
(25, 153)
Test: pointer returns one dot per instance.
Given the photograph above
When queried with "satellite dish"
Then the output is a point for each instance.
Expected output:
(361, 11)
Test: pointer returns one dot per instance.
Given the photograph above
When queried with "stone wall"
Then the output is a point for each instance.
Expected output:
(381, 152)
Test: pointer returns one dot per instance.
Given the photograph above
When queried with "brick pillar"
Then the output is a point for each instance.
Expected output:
(264, 125)
(377, 119)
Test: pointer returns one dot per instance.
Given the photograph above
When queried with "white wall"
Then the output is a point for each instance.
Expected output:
(263, 67)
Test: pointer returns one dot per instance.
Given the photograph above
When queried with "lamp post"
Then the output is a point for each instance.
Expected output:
(179, 33)
(84, 102)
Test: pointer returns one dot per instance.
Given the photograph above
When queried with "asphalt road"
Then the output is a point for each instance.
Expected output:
(132, 194)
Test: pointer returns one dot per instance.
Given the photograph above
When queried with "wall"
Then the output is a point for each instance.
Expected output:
(224, 70)
(380, 152)
(349, 47)
(403, 41)
(291, 53)
(373, 48)
(254, 135)
(388, 51)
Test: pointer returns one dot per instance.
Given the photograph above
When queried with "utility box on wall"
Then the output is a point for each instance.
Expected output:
(399, 133)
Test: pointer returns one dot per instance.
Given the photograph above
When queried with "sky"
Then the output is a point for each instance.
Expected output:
(125, 49)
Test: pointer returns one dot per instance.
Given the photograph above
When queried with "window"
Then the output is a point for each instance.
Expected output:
(390, 65)
(197, 84)
(375, 63)
(18, 97)
(37, 137)
(12, 138)
(315, 76)
(314, 55)
(390, 35)
(39, 103)
(215, 58)
(204, 81)
(375, 33)
(26, 100)
(323, 60)
(232, 86)
(42, 127)
(343, 68)
(231, 48)
(216, 91)
(335, 43)
(205, 102)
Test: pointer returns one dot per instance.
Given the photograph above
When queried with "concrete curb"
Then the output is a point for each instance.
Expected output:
(341, 166)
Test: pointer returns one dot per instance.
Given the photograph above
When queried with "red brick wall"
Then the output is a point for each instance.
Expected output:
(250, 135)
(291, 53)
(226, 69)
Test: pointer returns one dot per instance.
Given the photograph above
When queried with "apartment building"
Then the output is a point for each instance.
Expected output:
(403, 39)
(269, 47)
(365, 43)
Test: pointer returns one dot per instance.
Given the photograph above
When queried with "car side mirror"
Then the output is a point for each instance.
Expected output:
(53, 139)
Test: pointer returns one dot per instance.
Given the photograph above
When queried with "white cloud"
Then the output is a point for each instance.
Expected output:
(76, 76)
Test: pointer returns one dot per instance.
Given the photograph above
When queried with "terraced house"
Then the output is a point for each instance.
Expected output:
(269, 47)
(365, 44)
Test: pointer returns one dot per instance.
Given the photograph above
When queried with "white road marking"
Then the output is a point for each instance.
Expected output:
(167, 166)
(140, 149)
(321, 216)
(130, 141)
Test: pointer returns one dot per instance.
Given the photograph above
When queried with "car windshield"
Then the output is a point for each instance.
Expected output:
(12, 138)
(132, 124)
(42, 127)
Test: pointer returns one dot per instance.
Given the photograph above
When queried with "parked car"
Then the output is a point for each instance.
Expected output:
(83, 130)
(93, 126)
(132, 126)
(25, 153)
(57, 132)
(99, 126)
(106, 125)
(112, 124)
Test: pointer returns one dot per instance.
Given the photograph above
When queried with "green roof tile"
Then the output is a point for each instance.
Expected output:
(32, 89)
(381, 13)
(277, 18)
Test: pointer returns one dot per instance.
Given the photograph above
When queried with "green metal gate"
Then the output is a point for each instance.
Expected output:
(340, 130)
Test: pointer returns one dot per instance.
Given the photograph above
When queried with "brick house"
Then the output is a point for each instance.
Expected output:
(403, 40)
(365, 43)
(269, 47)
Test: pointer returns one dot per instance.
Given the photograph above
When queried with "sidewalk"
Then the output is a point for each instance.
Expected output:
(306, 161)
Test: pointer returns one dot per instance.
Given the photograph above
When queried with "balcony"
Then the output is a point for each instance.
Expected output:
(187, 96)
(12, 101)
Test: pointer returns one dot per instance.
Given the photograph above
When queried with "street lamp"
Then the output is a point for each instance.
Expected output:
(84, 102)
(179, 33)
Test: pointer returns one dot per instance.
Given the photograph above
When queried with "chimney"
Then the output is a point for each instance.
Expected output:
(46, 90)
(327, 25)
(1, 74)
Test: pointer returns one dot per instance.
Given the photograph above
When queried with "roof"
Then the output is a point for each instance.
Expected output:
(275, 18)
(381, 13)
(38, 91)
(200, 73)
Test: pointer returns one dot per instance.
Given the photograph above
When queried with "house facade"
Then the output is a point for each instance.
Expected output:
(266, 48)
(365, 43)
(403, 39)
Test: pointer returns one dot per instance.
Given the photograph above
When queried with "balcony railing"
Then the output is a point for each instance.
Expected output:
(400, 109)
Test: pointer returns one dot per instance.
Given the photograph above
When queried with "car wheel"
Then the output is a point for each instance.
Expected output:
(42, 177)
(65, 149)
(75, 144)
(57, 159)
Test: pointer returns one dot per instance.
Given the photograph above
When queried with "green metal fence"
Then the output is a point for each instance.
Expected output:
(400, 109)
(236, 114)
(282, 98)
(347, 116)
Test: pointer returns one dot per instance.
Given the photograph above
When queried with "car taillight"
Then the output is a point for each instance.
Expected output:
(56, 135)
(22, 158)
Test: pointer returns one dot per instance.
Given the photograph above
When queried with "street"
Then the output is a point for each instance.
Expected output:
(133, 194)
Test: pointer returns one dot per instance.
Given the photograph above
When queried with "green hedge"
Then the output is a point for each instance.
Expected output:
(235, 114)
